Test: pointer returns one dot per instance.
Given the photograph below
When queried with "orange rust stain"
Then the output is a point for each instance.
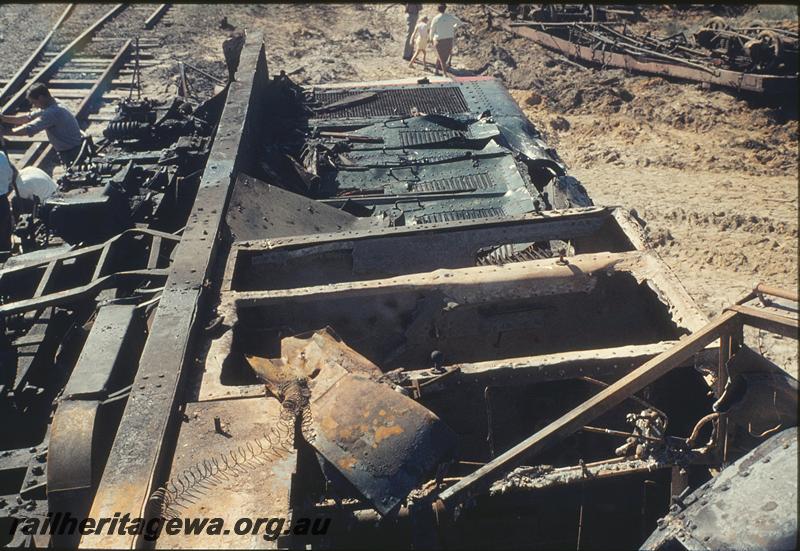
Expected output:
(347, 463)
(351, 432)
(329, 424)
(381, 433)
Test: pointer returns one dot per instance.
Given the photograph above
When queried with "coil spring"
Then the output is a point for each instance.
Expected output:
(503, 255)
(117, 130)
(188, 486)
(84, 167)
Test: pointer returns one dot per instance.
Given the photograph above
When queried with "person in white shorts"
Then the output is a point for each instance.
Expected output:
(420, 39)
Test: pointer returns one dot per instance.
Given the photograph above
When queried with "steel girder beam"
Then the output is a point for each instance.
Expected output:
(140, 454)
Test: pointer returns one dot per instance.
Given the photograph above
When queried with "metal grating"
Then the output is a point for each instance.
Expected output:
(422, 137)
(467, 214)
(468, 182)
(396, 102)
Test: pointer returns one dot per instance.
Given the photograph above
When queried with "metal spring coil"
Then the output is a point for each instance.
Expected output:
(187, 487)
(126, 129)
(501, 256)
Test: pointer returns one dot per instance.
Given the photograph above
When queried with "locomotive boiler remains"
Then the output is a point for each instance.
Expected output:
(388, 304)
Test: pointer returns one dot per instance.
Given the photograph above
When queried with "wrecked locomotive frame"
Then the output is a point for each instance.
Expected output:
(142, 173)
(76, 296)
(387, 300)
(755, 59)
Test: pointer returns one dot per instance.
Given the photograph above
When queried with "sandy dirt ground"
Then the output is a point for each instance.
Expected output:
(714, 177)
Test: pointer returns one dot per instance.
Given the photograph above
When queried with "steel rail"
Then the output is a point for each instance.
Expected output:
(156, 16)
(63, 56)
(24, 72)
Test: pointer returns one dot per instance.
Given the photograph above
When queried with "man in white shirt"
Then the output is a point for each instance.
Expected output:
(443, 31)
(29, 185)
(34, 184)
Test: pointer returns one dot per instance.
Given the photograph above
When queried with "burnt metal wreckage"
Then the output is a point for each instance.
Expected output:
(754, 59)
(388, 305)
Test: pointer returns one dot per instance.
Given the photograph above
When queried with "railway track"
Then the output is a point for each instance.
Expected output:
(88, 62)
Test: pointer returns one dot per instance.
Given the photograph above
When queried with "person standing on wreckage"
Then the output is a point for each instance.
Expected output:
(61, 126)
(443, 33)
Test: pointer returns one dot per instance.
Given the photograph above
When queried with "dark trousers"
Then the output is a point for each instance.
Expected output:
(66, 158)
(445, 48)
(5, 224)
(411, 22)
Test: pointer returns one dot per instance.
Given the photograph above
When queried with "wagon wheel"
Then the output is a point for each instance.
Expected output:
(755, 24)
(717, 24)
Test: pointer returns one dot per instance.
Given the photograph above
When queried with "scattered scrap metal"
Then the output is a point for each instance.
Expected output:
(754, 58)
(387, 304)
(75, 296)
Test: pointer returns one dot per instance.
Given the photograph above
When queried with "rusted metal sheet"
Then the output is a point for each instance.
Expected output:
(305, 355)
(259, 209)
(382, 442)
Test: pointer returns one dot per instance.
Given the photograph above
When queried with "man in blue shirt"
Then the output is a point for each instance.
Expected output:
(61, 126)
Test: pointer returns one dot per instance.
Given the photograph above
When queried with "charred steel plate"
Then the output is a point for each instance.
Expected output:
(383, 442)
